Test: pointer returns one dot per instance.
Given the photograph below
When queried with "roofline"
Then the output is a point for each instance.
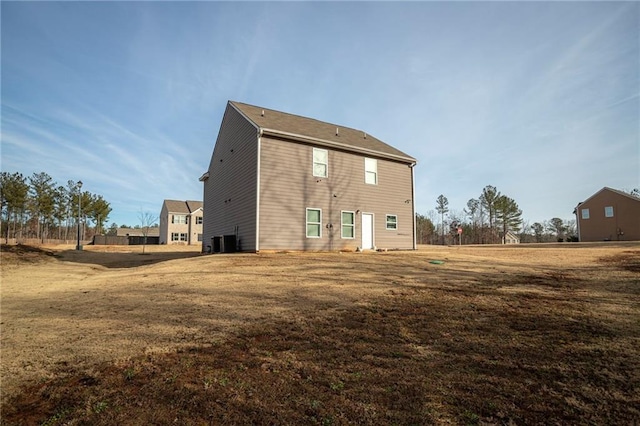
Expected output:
(253, 123)
(327, 143)
(609, 189)
(324, 142)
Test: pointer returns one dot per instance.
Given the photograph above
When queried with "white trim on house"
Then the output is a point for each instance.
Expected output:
(306, 222)
(330, 144)
(386, 222)
(373, 230)
(259, 154)
(325, 163)
(413, 205)
(352, 225)
(372, 168)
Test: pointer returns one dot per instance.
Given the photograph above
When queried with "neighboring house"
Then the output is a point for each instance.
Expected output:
(181, 222)
(279, 181)
(137, 232)
(609, 215)
(510, 238)
(131, 236)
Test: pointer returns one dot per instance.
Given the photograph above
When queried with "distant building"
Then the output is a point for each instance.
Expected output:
(510, 238)
(609, 215)
(279, 181)
(137, 232)
(181, 222)
(128, 236)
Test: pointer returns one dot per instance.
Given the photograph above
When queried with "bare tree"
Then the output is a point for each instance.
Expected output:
(146, 219)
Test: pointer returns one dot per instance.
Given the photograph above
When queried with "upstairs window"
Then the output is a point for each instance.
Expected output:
(314, 223)
(320, 162)
(608, 211)
(198, 220)
(371, 171)
(348, 225)
(392, 222)
(585, 213)
(179, 219)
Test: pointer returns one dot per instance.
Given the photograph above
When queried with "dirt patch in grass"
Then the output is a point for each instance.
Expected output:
(492, 336)
(628, 260)
(15, 254)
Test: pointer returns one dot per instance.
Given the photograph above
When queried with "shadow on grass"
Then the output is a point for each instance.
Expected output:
(404, 359)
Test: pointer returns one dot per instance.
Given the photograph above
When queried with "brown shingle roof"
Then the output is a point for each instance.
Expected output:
(175, 206)
(194, 205)
(189, 206)
(295, 126)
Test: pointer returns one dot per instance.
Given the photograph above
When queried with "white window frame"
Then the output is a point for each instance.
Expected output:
(325, 163)
(370, 170)
(175, 236)
(307, 223)
(395, 224)
(608, 211)
(584, 214)
(183, 236)
(198, 220)
(173, 219)
(352, 225)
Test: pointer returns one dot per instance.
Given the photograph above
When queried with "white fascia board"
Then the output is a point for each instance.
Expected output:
(330, 144)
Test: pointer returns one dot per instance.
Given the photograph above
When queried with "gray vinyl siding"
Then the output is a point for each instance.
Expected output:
(288, 187)
(230, 193)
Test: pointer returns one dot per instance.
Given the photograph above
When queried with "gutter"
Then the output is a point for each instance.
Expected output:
(258, 155)
(327, 143)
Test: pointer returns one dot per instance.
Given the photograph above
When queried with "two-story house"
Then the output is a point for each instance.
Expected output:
(279, 181)
(181, 222)
(608, 215)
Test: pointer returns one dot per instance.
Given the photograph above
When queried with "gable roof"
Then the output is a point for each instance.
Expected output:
(290, 126)
(186, 207)
(615, 191)
(194, 205)
(175, 206)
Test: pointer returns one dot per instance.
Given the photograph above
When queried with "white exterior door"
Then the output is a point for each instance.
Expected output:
(367, 231)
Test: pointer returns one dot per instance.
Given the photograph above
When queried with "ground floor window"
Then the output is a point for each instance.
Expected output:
(314, 223)
(392, 222)
(199, 237)
(348, 225)
(177, 236)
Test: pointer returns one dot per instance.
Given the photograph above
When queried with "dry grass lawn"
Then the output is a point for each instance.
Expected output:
(537, 334)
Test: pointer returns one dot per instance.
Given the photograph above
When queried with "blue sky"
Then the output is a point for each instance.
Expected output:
(539, 99)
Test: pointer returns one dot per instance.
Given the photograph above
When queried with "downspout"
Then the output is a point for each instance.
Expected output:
(577, 213)
(413, 204)
(258, 192)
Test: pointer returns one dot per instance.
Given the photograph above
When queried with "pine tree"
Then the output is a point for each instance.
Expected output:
(442, 207)
(508, 214)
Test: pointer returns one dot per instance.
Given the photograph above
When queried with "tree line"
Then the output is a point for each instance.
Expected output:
(486, 220)
(37, 207)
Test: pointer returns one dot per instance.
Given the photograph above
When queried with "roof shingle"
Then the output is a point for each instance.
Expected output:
(332, 134)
